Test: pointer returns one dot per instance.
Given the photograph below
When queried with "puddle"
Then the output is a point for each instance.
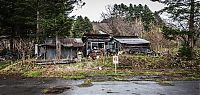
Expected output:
(71, 87)
(138, 88)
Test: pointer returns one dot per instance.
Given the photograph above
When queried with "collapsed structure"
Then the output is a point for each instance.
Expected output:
(69, 48)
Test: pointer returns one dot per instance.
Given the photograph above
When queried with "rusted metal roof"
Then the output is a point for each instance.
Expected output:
(72, 42)
(101, 36)
(66, 42)
(134, 40)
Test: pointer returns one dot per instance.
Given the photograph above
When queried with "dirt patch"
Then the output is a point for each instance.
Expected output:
(33, 86)
(86, 83)
(165, 83)
(100, 78)
(11, 76)
(55, 90)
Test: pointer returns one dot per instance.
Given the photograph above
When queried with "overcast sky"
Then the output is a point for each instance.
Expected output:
(93, 8)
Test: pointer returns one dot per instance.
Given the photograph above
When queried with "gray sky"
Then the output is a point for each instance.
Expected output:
(93, 8)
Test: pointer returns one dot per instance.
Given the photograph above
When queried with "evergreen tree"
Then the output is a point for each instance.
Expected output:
(186, 14)
(17, 19)
(147, 18)
(59, 25)
(136, 12)
(130, 14)
(81, 26)
(88, 25)
(21, 18)
(54, 18)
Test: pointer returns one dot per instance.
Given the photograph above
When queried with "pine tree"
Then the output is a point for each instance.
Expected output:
(88, 25)
(136, 13)
(147, 18)
(186, 14)
(81, 26)
(22, 18)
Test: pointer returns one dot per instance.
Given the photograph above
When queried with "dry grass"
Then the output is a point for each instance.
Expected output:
(91, 69)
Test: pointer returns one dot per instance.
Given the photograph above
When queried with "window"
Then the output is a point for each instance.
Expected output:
(97, 45)
(94, 45)
(100, 45)
(88, 45)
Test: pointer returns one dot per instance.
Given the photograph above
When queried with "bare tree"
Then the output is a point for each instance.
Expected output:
(197, 31)
(119, 25)
(24, 47)
(158, 42)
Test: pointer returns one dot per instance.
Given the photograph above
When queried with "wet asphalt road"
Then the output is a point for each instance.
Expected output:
(138, 88)
(35, 86)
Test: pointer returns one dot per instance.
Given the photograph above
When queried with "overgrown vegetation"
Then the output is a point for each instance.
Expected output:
(185, 52)
(183, 24)
(146, 62)
(74, 77)
(4, 64)
(86, 83)
(33, 74)
(148, 67)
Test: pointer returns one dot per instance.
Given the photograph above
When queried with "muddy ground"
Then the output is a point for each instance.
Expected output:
(33, 86)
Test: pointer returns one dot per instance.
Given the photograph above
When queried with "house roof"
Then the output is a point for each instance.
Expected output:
(66, 42)
(97, 35)
(133, 40)
(72, 42)
(125, 37)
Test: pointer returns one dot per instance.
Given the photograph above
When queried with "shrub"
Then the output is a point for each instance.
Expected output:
(86, 83)
(33, 74)
(146, 62)
(185, 52)
(197, 53)
(5, 64)
(73, 77)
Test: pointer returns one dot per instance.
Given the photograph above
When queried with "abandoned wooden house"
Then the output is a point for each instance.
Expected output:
(66, 48)
(115, 44)
(96, 42)
(130, 44)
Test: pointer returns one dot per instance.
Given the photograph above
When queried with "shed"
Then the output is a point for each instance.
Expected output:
(68, 48)
(130, 44)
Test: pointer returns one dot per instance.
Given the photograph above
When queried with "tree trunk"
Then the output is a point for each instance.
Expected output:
(11, 43)
(14, 31)
(58, 48)
(191, 25)
(37, 27)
